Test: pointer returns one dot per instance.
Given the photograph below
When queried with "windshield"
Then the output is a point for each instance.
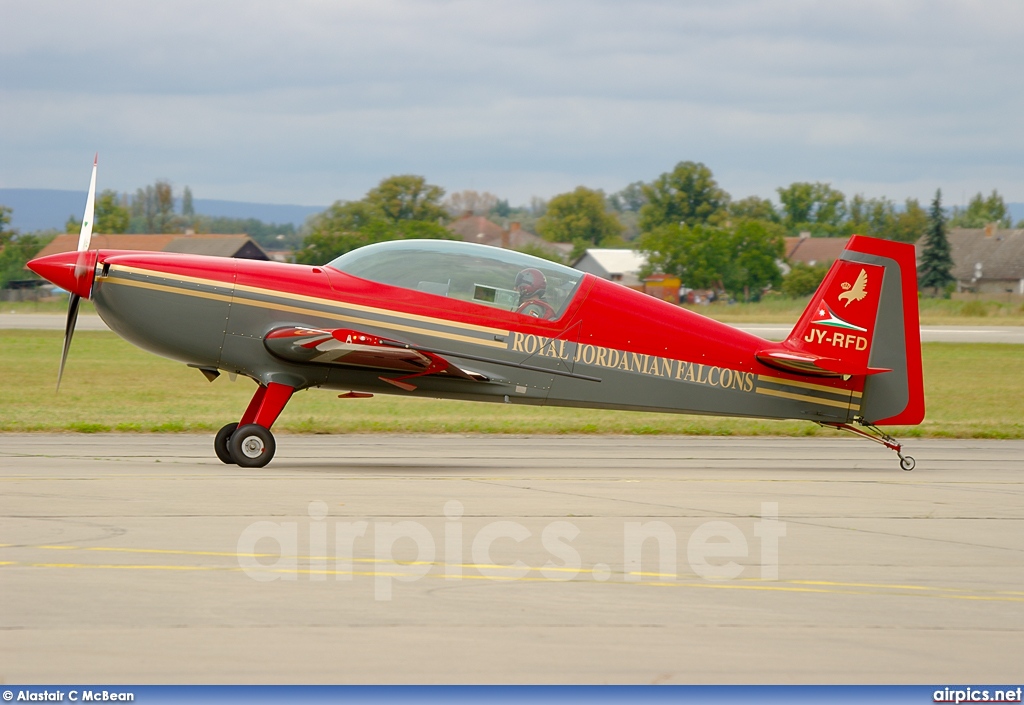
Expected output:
(484, 275)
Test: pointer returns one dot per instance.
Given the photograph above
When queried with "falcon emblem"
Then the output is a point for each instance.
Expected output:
(856, 292)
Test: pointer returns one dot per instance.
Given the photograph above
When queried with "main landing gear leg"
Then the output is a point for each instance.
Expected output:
(873, 433)
(249, 443)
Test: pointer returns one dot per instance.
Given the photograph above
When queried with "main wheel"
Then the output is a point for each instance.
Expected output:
(221, 441)
(907, 463)
(252, 446)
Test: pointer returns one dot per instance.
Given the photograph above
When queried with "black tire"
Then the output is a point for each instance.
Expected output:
(220, 443)
(907, 463)
(252, 446)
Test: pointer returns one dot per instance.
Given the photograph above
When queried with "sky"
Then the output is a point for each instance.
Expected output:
(309, 102)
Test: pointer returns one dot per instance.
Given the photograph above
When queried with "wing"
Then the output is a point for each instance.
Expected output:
(351, 348)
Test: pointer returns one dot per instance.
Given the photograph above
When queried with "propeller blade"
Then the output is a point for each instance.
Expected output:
(85, 236)
(69, 330)
(80, 268)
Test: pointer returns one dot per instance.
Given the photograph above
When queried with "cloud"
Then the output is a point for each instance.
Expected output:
(308, 102)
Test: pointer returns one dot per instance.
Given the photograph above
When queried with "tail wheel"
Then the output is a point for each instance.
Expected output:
(252, 446)
(221, 441)
(907, 463)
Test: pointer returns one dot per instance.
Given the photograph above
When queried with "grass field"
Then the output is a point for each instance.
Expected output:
(778, 310)
(934, 312)
(972, 390)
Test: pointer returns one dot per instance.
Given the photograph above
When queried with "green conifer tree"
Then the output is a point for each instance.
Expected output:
(935, 271)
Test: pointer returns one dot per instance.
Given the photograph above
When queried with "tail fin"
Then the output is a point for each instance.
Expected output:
(863, 320)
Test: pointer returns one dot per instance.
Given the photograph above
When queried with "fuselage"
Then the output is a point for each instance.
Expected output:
(609, 347)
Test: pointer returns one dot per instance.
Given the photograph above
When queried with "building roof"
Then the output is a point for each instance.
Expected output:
(1000, 253)
(814, 250)
(217, 246)
(614, 261)
(476, 228)
(240, 245)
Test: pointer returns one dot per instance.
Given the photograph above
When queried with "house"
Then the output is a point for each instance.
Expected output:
(617, 265)
(478, 229)
(814, 250)
(240, 246)
(985, 260)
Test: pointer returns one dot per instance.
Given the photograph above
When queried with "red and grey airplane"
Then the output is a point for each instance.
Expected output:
(457, 320)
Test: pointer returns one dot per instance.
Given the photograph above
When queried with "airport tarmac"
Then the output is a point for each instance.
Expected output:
(770, 331)
(499, 559)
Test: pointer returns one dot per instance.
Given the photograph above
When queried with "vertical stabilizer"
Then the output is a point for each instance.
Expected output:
(863, 320)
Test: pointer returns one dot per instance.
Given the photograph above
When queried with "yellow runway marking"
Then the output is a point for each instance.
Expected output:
(582, 575)
(115, 566)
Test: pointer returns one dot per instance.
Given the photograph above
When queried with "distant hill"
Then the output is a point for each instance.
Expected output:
(1016, 211)
(46, 209)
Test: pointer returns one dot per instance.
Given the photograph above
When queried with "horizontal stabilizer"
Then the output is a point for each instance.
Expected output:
(811, 364)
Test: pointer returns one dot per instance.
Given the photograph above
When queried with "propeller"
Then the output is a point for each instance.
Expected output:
(81, 265)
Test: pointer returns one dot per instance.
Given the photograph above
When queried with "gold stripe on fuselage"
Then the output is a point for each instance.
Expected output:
(803, 397)
(307, 299)
(163, 287)
(808, 385)
(236, 300)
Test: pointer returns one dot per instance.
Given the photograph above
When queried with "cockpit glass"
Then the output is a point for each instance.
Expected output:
(489, 276)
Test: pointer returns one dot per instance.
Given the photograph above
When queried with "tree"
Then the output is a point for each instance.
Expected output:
(935, 271)
(164, 207)
(688, 194)
(152, 209)
(870, 216)
(803, 279)
(549, 254)
(757, 247)
(407, 197)
(5, 220)
(400, 207)
(741, 260)
(468, 201)
(817, 208)
(16, 250)
(579, 217)
(111, 215)
(142, 207)
(754, 208)
(627, 204)
(981, 211)
(630, 199)
(698, 254)
(501, 209)
(323, 244)
(187, 208)
(879, 217)
(910, 224)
